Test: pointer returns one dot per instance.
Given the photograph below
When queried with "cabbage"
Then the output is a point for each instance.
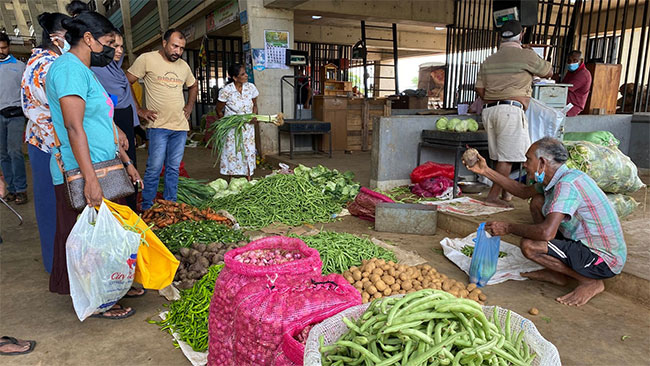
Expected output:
(451, 125)
(441, 123)
(218, 185)
(472, 125)
(461, 126)
(237, 184)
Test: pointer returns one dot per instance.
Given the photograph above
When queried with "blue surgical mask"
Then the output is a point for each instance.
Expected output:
(539, 178)
(573, 67)
(66, 45)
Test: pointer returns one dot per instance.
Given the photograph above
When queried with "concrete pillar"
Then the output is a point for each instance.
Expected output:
(163, 13)
(61, 5)
(100, 7)
(268, 81)
(20, 18)
(125, 8)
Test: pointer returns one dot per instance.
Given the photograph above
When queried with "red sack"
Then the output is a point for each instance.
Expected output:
(430, 170)
(365, 202)
(235, 275)
(181, 171)
(265, 312)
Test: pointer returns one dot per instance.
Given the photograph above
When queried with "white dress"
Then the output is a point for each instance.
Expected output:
(238, 103)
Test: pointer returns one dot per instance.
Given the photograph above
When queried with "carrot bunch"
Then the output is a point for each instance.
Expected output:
(164, 213)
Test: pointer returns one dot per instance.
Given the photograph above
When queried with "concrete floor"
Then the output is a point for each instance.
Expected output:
(590, 335)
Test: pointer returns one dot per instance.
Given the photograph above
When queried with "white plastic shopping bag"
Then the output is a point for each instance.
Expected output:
(101, 257)
(543, 120)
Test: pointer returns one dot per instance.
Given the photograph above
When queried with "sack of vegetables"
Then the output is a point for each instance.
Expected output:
(273, 258)
(612, 170)
(266, 311)
(365, 202)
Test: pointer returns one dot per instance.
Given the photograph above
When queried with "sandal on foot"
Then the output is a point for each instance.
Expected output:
(11, 340)
(9, 197)
(21, 198)
(114, 317)
(144, 291)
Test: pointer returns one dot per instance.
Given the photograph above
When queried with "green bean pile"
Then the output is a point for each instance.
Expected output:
(427, 327)
(340, 251)
(188, 317)
(284, 198)
(468, 250)
(185, 233)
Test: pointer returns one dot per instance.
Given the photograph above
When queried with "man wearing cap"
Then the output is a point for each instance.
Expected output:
(504, 82)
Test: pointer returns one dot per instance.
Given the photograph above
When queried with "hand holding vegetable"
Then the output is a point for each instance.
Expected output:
(480, 165)
(498, 228)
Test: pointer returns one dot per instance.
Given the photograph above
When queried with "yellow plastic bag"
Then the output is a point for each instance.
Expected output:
(155, 266)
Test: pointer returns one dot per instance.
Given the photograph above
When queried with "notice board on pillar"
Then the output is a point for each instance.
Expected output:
(276, 44)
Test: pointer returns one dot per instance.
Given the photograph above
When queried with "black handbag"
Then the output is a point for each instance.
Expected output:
(111, 174)
(11, 112)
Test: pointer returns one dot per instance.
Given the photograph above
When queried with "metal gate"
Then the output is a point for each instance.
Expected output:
(614, 31)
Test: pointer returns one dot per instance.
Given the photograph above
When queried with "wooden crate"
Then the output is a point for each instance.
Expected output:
(604, 88)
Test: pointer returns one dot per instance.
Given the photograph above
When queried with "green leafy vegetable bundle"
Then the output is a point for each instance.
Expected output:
(188, 317)
(340, 251)
(612, 170)
(285, 198)
(340, 186)
(428, 327)
(191, 191)
(186, 233)
(222, 127)
(624, 205)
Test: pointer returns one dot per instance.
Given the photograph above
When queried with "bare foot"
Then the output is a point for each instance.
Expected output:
(583, 293)
(546, 275)
(506, 196)
(497, 202)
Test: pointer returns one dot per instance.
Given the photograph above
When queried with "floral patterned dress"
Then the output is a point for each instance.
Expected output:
(232, 162)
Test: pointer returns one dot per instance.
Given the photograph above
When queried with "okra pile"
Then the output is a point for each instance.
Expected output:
(427, 327)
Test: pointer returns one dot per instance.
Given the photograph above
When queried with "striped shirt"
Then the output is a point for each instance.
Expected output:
(591, 219)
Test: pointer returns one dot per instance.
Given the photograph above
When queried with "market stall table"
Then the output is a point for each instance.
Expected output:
(302, 127)
(449, 140)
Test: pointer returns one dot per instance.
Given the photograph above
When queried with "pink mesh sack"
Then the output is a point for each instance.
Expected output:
(236, 275)
(365, 202)
(266, 311)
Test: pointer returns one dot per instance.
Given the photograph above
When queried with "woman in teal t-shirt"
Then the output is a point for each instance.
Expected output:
(82, 115)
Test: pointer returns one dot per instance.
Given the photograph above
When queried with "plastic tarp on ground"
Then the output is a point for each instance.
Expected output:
(508, 267)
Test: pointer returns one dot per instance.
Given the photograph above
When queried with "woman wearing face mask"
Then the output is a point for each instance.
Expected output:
(117, 85)
(38, 134)
(82, 115)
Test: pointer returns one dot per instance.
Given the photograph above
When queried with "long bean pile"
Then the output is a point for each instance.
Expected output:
(191, 191)
(188, 317)
(427, 327)
(186, 233)
(340, 251)
(284, 198)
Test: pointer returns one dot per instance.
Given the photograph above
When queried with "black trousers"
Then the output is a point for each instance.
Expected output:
(124, 120)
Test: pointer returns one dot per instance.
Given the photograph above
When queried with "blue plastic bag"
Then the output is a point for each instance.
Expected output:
(485, 257)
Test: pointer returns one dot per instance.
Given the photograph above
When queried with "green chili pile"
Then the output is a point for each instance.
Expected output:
(340, 251)
(284, 198)
(186, 233)
(188, 317)
(427, 327)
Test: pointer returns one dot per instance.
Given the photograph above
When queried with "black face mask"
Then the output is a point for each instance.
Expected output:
(101, 59)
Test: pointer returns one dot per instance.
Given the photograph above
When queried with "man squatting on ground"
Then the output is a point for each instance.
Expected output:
(576, 232)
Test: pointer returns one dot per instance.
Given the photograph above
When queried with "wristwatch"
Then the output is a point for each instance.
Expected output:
(128, 163)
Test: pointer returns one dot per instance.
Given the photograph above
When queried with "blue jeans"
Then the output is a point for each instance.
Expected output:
(12, 160)
(44, 202)
(166, 147)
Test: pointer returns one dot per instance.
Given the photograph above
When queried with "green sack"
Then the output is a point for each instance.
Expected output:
(604, 138)
(612, 170)
(624, 205)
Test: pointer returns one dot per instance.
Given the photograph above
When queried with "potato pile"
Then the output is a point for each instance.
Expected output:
(196, 261)
(377, 278)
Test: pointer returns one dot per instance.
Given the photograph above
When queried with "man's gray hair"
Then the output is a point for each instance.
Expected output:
(552, 150)
(516, 38)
